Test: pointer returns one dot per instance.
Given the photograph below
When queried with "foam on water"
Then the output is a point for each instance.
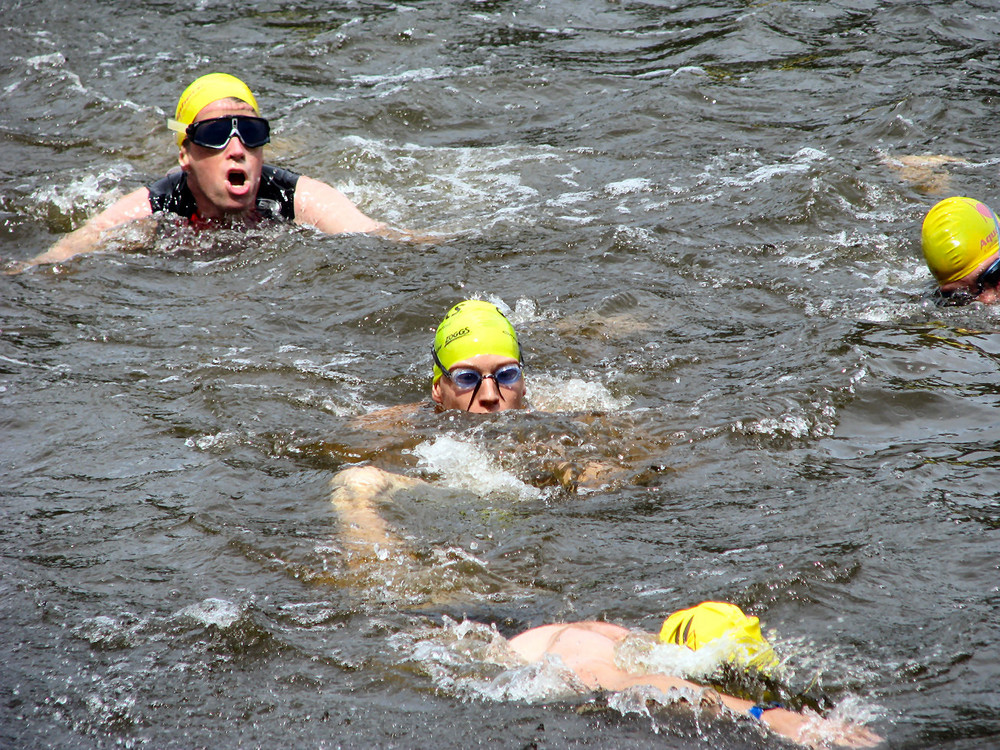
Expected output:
(632, 185)
(218, 441)
(458, 188)
(467, 466)
(551, 393)
(82, 195)
(221, 613)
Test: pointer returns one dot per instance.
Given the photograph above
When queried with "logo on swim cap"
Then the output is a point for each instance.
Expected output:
(957, 235)
(207, 89)
(455, 335)
(471, 328)
(725, 626)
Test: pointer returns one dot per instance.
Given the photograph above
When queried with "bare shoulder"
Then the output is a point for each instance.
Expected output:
(569, 640)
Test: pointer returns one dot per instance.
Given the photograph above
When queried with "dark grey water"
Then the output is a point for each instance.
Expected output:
(697, 213)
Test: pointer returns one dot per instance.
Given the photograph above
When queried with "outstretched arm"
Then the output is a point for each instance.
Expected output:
(811, 730)
(329, 210)
(87, 238)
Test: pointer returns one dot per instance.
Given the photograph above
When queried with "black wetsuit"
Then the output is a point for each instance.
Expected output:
(275, 195)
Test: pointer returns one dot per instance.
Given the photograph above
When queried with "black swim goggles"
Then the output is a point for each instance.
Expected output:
(464, 378)
(990, 277)
(215, 133)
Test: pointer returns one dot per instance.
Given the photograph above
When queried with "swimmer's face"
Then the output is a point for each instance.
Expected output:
(223, 181)
(981, 285)
(490, 397)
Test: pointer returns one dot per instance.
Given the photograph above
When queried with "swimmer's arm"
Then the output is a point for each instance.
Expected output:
(809, 730)
(329, 210)
(354, 493)
(87, 238)
(399, 417)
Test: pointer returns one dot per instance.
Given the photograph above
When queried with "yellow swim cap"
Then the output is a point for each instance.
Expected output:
(471, 328)
(711, 621)
(958, 234)
(205, 90)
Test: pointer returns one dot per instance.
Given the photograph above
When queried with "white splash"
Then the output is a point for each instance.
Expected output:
(211, 442)
(633, 185)
(466, 466)
(549, 393)
(219, 612)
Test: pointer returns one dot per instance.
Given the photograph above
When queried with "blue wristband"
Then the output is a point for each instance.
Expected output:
(760, 708)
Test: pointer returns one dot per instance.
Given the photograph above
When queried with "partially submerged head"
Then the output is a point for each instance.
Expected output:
(959, 241)
(725, 626)
(477, 360)
(221, 137)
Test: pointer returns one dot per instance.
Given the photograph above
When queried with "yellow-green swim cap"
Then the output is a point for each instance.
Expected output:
(957, 235)
(205, 90)
(470, 328)
(711, 621)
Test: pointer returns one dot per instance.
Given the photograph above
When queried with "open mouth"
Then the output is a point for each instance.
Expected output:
(236, 178)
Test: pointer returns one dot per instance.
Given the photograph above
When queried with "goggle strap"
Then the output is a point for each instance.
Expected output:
(177, 127)
(474, 392)
(439, 363)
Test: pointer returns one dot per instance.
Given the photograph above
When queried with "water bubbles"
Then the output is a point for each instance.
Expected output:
(221, 613)
(468, 466)
(550, 393)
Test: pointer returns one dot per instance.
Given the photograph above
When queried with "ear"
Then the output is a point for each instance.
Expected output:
(436, 392)
(184, 159)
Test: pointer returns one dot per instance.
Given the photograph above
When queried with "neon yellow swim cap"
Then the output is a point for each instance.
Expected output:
(470, 328)
(958, 234)
(207, 89)
(710, 621)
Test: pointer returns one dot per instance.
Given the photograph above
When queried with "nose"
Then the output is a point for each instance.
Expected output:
(488, 397)
(235, 147)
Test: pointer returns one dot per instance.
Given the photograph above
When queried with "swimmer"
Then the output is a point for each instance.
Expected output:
(477, 360)
(959, 241)
(223, 180)
(590, 651)
(478, 368)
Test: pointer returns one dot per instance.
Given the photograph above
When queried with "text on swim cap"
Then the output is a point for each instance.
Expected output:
(988, 239)
(457, 334)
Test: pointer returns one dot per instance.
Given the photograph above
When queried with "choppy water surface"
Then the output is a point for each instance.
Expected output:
(701, 219)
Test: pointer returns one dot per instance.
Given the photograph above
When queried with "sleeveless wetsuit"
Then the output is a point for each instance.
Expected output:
(275, 195)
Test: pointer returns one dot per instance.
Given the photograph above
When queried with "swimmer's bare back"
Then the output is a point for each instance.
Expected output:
(588, 648)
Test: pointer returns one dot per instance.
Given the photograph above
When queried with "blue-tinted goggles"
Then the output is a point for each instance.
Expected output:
(464, 378)
(254, 132)
(990, 277)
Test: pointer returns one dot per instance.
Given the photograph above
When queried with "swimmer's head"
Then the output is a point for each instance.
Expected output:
(477, 360)
(723, 622)
(207, 89)
(957, 236)
(472, 328)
